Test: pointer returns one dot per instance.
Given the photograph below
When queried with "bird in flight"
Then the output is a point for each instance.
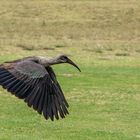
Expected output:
(33, 80)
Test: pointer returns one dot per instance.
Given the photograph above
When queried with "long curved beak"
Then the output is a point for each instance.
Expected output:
(72, 63)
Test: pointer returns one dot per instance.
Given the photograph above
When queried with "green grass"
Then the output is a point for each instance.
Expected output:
(103, 38)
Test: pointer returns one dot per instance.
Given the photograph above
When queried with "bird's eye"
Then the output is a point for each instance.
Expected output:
(64, 57)
(36, 61)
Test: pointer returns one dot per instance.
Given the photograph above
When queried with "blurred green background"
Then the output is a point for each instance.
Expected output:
(103, 38)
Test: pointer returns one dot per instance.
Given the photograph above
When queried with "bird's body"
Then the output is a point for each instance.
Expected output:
(33, 80)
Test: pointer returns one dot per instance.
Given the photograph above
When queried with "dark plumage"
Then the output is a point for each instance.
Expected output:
(33, 80)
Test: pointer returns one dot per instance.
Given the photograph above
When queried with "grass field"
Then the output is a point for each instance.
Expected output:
(103, 38)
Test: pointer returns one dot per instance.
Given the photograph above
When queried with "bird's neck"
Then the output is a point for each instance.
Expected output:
(53, 61)
(48, 61)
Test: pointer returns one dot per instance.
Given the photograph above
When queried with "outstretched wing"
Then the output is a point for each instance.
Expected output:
(35, 84)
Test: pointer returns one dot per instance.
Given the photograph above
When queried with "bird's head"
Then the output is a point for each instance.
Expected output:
(65, 59)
